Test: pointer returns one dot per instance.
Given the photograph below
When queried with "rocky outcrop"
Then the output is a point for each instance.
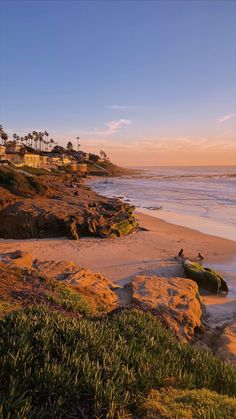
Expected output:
(220, 340)
(226, 344)
(206, 278)
(67, 215)
(175, 300)
(18, 258)
(99, 291)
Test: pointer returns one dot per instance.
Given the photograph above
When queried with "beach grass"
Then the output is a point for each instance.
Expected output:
(53, 365)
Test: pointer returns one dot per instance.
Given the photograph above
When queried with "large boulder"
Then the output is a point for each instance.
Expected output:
(175, 300)
(206, 278)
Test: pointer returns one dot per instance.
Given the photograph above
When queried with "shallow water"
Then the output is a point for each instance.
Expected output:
(222, 308)
(201, 198)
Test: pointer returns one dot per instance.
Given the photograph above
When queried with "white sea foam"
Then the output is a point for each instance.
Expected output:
(202, 198)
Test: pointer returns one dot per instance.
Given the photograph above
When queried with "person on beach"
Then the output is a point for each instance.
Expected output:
(180, 255)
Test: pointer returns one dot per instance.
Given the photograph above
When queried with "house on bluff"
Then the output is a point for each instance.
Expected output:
(31, 159)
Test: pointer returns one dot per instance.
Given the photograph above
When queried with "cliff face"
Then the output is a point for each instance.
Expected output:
(62, 212)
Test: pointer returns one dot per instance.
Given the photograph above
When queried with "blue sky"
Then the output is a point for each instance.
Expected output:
(154, 76)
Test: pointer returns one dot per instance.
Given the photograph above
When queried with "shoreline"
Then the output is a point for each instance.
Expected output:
(198, 223)
(165, 235)
(146, 252)
(201, 217)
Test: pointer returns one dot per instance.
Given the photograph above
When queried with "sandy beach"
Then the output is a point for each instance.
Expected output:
(150, 251)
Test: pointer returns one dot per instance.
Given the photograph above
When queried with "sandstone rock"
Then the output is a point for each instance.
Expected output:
(99, 291)
(47, 217)
(176, 300)
(95, 287)
(206, 278)
(18, 258)
(227, 344)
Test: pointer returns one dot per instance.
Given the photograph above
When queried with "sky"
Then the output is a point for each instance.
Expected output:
(149, 82)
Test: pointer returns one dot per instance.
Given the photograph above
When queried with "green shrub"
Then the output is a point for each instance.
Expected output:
(35, 170)
(7, 178)
(20, 184)
(36, 185)
(170, 403)
(21, 287)
(67, 299)
(55, 366)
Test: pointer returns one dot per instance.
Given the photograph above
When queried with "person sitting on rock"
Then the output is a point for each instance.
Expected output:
(180, 255)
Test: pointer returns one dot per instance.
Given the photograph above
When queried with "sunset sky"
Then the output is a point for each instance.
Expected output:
(149, 82)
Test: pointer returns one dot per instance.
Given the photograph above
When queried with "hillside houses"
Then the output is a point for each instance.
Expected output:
(45, 160)
(37, 151)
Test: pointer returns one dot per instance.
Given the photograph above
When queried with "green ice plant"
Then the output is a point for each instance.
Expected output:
(54, 365)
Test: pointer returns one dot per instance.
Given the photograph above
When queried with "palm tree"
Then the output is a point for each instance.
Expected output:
(78, 144)
(16, 138)
(35, 134)
(26, 139)
(30, 137)
(40, 137)
(51, 142)
(45, 143)
(3, 135)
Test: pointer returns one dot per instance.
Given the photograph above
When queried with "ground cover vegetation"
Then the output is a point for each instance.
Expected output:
(22, 287)
(19, 183)
(56, 365)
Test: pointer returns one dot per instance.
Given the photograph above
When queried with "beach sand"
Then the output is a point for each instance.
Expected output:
(144, 252)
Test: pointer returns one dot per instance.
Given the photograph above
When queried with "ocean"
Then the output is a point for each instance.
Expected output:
(201, 198)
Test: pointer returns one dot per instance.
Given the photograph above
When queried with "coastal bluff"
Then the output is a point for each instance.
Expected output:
(47, 207)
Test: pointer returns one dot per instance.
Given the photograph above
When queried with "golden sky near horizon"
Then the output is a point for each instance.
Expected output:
(124, 143)
(172, 157)
(123, 146)
(167, 151)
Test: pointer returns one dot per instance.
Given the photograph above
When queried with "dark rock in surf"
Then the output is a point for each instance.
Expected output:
(206, 278)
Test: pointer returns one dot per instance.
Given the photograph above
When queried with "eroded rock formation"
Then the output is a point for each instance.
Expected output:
(99, 291)
(62, 213)
(176, 300)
